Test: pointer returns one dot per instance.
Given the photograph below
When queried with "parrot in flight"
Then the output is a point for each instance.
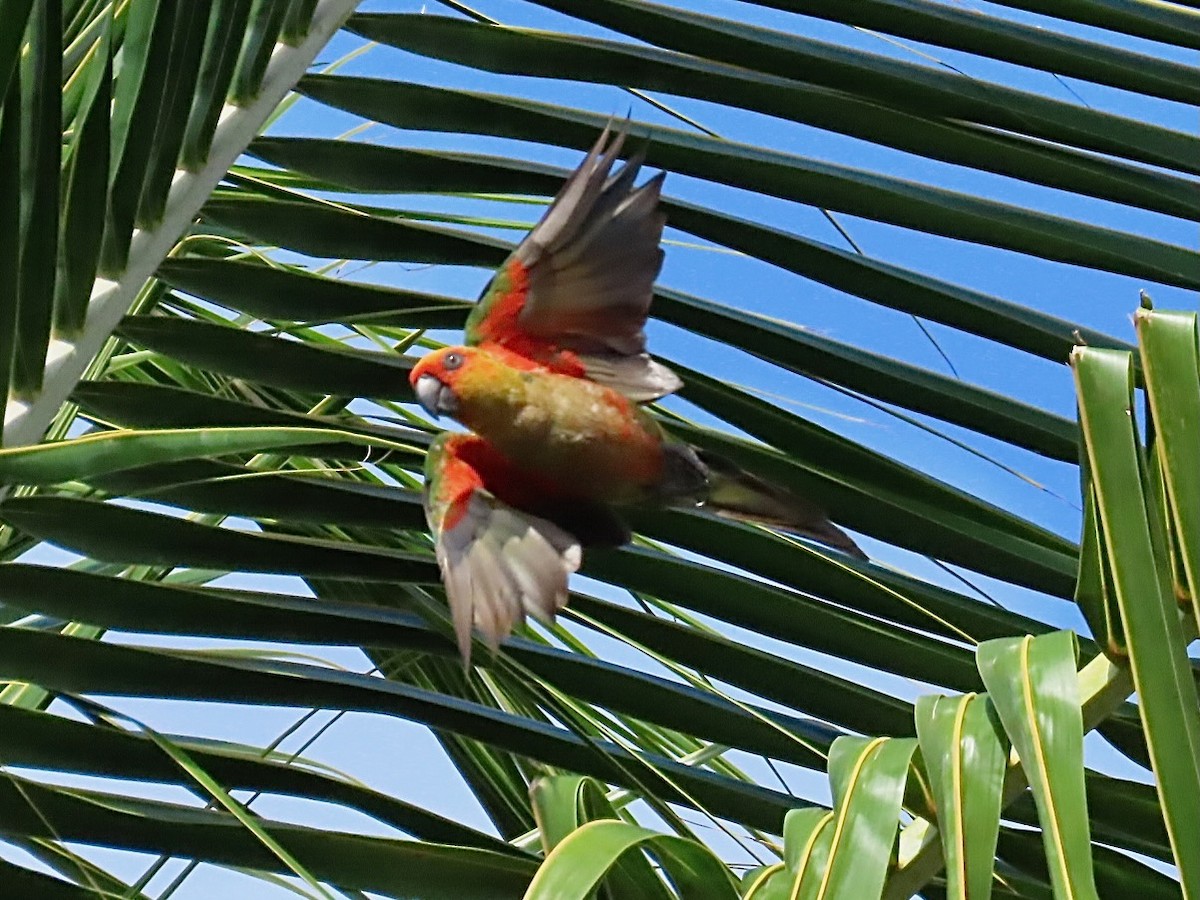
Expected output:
(550, 384)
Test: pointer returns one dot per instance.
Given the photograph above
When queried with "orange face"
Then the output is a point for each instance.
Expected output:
(434, 377)
(439, 377)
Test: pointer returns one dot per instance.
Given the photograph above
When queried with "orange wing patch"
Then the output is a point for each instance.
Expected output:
(458, 479)
(472, 463)
(501, 330)
(500, 324)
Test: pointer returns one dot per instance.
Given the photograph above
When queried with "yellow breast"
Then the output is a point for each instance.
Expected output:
(590, 438)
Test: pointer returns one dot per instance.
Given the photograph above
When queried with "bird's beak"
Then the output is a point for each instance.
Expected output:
(435, 398)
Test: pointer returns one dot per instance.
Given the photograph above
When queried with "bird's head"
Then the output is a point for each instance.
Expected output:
(437, 379)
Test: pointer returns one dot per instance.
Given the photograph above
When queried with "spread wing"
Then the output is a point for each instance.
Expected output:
(583, 278)
(498, 563)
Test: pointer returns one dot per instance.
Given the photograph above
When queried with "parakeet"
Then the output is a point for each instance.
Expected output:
(550, 382)
(551, 460)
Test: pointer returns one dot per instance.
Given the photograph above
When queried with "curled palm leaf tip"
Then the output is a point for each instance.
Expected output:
(550, 383)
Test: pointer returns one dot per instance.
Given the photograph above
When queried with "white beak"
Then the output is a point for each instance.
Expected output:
(435, 398)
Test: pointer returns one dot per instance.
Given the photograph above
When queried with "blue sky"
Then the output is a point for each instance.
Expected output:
(403, 758)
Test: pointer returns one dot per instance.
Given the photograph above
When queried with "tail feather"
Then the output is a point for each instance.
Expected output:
(737, 494)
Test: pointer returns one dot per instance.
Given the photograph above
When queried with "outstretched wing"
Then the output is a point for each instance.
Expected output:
(499, 562)
(583, 278)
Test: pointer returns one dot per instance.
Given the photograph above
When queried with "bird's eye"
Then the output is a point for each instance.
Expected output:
(452, 361)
